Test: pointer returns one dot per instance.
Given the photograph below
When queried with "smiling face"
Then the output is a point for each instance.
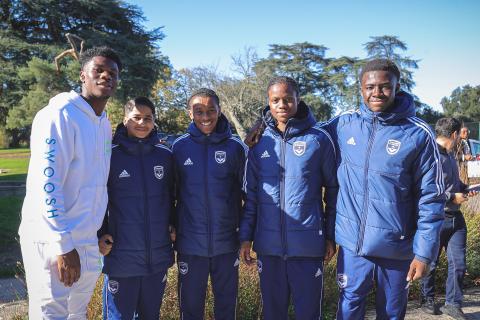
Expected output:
(204, 112)
(139, 122)
(99, 78)
(379, 89)
(283, 102)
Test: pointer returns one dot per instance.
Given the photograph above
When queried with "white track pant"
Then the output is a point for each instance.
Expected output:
(48, 298)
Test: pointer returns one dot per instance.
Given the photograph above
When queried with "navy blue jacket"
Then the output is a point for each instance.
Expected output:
(451, 179)
(284, 213)
(140, 206)
(209, 171)
(391, 197)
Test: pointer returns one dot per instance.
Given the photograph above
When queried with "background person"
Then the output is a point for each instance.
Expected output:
(463, 154)
(453, 236)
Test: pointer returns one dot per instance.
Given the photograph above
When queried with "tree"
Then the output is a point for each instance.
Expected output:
(463, 103)
(428, 114)
(388, 47)
(170, 94)
(343, 75)
(37, 29)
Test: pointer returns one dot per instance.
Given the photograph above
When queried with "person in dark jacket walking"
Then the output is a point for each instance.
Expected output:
(453, 236)
(292, 233)
(135, 238)
(209, 164)
(391, 198)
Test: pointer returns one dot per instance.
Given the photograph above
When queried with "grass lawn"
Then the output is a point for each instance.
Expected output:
(15, 162)
(9, 219)
(25, 151)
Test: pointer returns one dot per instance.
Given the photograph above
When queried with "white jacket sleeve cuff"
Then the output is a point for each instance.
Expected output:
(63, 246)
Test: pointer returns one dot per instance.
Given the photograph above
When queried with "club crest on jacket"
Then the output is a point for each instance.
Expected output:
(183, 267)
(220, 156)
(113, 286)
(299, 147)
(393, 146)
(158, 171)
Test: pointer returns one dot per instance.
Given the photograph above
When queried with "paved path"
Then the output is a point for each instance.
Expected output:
(12, 290)
(471, 308)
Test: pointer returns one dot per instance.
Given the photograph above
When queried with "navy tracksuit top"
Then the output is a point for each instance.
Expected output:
(391, 198)
(209, 172)
(140, 206)
(284, 213)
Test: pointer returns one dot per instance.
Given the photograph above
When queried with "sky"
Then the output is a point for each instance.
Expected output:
(443, 34)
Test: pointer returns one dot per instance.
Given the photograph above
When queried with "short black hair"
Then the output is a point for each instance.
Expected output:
(381, 64)
(102, 51)
(446, 126)
(290, 82)
(204, 92)
(138, 101)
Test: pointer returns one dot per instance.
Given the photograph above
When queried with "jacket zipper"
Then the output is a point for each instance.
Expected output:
(282, 197)
(207, 205)
(363, 220)
(146, 211)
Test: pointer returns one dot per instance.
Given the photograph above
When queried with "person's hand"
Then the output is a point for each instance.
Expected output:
(254, 135)
(468, 157)
(105, 244)
(418, 269)
(245, 249)
(173, 233)
(330, 250)
(69, 267)
(459, 198)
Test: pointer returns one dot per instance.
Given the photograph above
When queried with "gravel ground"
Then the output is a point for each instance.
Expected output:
(471, 308)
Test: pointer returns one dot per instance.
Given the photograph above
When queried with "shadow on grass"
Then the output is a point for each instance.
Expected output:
(14, 177)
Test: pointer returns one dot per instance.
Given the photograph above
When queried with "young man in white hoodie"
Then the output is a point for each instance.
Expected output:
(66, 192)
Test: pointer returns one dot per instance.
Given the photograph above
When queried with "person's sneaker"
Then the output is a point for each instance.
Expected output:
(452, 311)
(428, 306)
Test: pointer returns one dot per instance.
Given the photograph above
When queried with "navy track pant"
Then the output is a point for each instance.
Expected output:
(300, 278)
(193, 272)
(123, 297)
(356, 276)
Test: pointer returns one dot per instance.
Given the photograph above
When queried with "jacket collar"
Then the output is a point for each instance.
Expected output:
(302, 121)
(222, 132)
(403, 107)
(83, 105)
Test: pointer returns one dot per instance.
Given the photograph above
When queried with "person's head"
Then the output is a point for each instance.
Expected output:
(464, 132)
(380, 81)
(283, 99)
(204, 109)
(447, 130)
(139, 117)
(100, 67)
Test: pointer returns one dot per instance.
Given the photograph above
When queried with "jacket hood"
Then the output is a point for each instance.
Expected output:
(403, 107)
(131, 144)
(74, 98)
(302, 120)
(222, 132)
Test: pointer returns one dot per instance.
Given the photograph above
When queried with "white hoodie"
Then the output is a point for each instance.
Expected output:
(66, 185)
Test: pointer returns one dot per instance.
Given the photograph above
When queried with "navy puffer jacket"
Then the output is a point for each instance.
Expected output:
(284, 214)
(391, 197)
(140, 206)
(210, 171)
